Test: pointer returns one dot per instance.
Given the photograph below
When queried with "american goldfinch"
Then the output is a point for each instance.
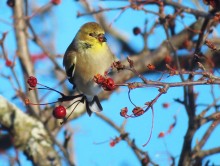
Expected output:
(87, 55)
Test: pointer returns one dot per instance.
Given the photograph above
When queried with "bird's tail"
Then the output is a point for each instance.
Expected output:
(93, 106)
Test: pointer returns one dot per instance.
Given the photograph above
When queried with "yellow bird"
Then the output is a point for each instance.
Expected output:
(87, 55)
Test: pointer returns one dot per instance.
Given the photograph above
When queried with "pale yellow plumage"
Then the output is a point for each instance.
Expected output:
(87, 55)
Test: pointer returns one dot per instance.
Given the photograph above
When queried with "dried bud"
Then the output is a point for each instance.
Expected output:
(9, 63)
(118, 65)
(138, 111)
(216, 18)
(168, 59)
(166, 105)
(217, 116)
(27, 101)
(210, 45)
(187, 44)
(124, 112)
(145, 161)
(161, 134)
(150, 67)
(131, 62)
(132, 85)
(210, 81)
(56, 2)
(11, 3)
(99, 79)
(136, 30)
(210, 2)
(112, 143)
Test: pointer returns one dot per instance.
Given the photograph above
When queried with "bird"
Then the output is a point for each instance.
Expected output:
(87, 55)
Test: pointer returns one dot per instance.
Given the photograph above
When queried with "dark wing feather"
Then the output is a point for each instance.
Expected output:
(69, 60)
(70, 71)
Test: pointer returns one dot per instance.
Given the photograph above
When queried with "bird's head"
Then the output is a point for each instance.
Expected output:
(92, 34)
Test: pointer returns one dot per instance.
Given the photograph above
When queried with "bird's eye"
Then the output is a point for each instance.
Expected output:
(91, 34)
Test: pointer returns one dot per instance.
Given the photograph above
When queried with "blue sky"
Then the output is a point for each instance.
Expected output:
(91, 129)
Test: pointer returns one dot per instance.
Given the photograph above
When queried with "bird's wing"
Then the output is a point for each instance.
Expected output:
(71, 70)
(69, 61)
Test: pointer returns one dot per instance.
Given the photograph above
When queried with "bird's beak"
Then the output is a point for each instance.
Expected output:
(101, 38)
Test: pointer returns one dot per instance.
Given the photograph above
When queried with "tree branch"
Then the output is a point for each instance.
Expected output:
(29, 135)
(22, 49)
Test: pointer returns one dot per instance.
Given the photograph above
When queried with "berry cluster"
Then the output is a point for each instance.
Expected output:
(106, 83)
(59, 112)
(32, 81)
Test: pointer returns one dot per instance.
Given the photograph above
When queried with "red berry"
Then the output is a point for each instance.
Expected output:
(106, 83)
(111, 83)
(8, 63)
(136, 31)
(59, 112)
(32, 81)
(56, 2)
